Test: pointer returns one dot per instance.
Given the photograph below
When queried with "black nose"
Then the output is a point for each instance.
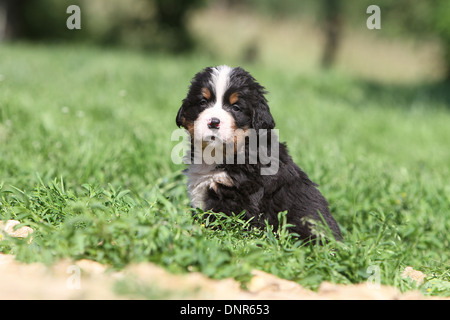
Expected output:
(213, 123)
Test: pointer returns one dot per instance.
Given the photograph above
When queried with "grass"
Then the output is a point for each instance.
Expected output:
(85, 161)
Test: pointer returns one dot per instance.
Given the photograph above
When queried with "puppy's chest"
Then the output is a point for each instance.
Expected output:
(202, 177)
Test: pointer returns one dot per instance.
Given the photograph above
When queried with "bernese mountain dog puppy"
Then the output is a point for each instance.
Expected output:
(236, 162)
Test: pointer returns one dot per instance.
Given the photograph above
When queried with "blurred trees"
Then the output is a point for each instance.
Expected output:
(149, 24)
(10, 18)
(170, 18)
(162, 24)
(440, 24)
(399, 18)
(332, 21)
(404, 18)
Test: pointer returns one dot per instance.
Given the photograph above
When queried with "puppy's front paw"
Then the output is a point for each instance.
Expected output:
(221, 178)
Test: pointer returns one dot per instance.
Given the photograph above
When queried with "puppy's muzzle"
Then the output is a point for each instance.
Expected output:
(214, 123)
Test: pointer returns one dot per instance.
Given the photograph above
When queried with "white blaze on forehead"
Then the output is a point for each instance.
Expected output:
(219, 81)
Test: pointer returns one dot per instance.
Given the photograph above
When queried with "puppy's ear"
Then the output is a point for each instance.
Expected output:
(179, 118)
(262, 118)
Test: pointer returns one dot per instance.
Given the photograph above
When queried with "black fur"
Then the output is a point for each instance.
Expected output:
(261, 196)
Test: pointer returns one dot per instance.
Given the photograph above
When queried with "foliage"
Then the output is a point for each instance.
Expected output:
(400, 18)
(148, 24)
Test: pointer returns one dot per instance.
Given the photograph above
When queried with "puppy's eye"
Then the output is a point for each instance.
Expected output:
(203, 102)
(235, 107)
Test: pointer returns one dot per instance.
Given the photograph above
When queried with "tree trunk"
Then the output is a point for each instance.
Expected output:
(10, 18)
(333, 29)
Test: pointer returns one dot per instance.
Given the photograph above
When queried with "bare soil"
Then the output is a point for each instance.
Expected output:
(86, 279)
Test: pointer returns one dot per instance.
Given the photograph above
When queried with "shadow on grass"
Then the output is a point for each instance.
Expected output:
(426, 96)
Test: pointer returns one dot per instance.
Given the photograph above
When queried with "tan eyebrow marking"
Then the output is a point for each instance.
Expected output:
(206, 93)
(234, 98)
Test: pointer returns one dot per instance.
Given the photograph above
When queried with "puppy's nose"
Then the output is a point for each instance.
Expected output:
(214, 123)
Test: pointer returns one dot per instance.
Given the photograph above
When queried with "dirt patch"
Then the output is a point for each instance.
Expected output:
(85, 279)
(9, 228)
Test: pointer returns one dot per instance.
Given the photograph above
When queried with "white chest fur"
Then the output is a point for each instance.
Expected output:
(202, 177)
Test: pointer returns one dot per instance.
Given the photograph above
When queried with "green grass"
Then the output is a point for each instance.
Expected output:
(85, 161)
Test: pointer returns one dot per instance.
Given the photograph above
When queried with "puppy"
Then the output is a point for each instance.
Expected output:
(236, 160)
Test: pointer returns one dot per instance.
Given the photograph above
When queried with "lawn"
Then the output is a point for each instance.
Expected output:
(85, 160)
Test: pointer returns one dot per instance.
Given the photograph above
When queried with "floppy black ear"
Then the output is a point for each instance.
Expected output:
(262, 118)
(180, 114)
